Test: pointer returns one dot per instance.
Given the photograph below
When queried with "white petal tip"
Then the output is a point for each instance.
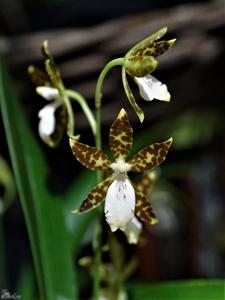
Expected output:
(46, 92)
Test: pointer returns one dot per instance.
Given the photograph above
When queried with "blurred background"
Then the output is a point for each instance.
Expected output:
(188, 197)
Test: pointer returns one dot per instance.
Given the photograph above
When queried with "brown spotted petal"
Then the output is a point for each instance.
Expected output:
(145, 183)
(143, 209)
(150, 157)
(90, 157)
(159, 48)
(147, 42)
(96, 196)
(121, 136)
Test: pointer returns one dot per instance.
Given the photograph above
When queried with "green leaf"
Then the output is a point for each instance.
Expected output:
(78, 224)
(179, 290)
(44, 214)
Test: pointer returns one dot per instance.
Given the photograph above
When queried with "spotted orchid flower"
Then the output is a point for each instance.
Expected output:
(139, 63)
(122, 199)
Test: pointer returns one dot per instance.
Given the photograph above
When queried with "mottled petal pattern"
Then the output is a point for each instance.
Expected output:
(121, 136)
(95, 197)
(143, 209)
(140, 65)
(145, 183)
(90, 157)
(150, 157)
(147, 42)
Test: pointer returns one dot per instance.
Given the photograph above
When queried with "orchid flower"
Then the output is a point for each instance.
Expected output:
(140, 62)
(122, 199)
(53, 116)
(57, 116)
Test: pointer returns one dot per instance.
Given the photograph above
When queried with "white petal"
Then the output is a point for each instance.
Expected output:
(47, 120)
(48, 93)
(133, 231)
(151, 88)
(119, 204)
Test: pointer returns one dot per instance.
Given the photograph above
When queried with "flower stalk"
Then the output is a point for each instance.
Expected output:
(86, 109)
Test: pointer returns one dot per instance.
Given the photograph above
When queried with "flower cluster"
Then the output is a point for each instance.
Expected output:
(123, 199)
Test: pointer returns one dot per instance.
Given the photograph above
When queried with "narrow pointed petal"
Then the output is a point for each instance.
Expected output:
(143, 209)
(130, 96)
(48, 93)
(121, 136)
(95, 197)
(150, 157)
(133, 231)
(147, 42)
(151, 88)
(145, 183)
(90, 157)
(51, 68)
(119, 204)
(159, 48)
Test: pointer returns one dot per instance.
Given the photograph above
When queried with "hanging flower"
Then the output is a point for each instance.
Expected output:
(122, 199)
(139, 63)
(53, 116)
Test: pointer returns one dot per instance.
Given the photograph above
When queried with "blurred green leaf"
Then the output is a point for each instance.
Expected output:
(7, 182)
(44, 215)
(26, 286)
(179, 290)
(78, 224)
(189, 129)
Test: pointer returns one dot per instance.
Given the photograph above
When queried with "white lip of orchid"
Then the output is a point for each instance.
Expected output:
(119, 204)
(151, 88)
(133, 231)
(49, 93)
(47, 120)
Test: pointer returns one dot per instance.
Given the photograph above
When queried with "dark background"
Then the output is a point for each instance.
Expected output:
(189, 194)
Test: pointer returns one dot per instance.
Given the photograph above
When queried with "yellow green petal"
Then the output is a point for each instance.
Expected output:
(130, 96)
(140, 65)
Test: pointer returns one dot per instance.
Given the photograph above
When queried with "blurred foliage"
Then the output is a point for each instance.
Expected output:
(180, 290)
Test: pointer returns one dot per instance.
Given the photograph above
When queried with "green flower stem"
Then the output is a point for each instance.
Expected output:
(98, 95)
(97, 248)
(71, 121)
(97, 242)
(83, 103)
